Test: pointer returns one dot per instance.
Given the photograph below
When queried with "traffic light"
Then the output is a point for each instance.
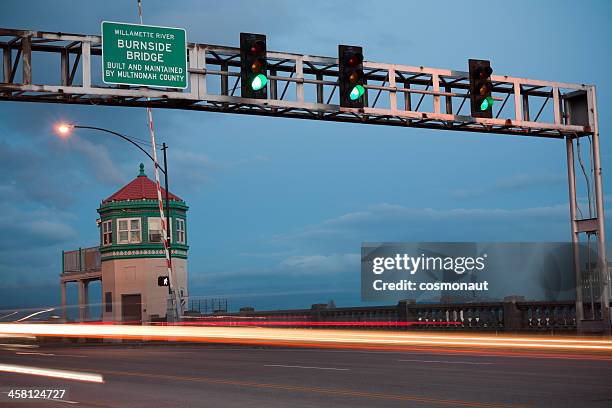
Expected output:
(350, 76)
(253, 66)
(481, 88)
(162, 281)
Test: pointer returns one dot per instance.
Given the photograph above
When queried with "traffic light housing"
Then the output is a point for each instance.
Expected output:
(351, 77)
(163, 281)
(253, 66)
(481, 87)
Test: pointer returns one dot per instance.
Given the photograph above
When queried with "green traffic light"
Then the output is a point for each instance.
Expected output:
(259, 82)
(356, 92)
(487, 103)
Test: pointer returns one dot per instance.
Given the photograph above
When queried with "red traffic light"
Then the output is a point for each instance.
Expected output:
(354, 59)
(257, 47)
(484, 72)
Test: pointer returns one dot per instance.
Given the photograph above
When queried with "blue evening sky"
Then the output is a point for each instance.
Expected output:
(279, 208)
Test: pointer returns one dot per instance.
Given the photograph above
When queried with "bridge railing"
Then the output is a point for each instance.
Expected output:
(81, 260)
(474, 316)
(548, 315)
(507, 315)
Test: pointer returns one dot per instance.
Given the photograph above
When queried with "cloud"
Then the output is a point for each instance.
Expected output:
(194, 169)
(99, 160)
(515, 182)
(316, 264)
(523, 181)
(29, 175)
(391, 222)
(27, 226)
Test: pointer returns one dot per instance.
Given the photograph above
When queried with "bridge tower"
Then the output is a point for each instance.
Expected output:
(132, 252)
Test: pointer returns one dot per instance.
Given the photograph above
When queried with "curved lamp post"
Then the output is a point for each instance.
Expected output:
(64, 130)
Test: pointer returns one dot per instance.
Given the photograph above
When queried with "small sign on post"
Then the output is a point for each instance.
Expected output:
(162, 281)
(141, 55)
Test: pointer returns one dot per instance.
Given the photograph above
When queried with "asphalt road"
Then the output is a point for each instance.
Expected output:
(233, 376)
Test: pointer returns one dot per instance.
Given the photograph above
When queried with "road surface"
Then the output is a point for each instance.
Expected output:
(235, 376)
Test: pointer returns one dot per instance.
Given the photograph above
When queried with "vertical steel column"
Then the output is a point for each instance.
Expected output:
(449, 100)
(194, 79)
(407, 97)
(86, 299)
(435, 80)
(320, 96)
(299, 74)
(63, 301)
(224, 79)
(81, 308)
(86, 65)
(64, 66)
(392, 93)
(526, 107)
(320, 92)
(571, 178)
(273, 87)
(601, 237)
(26, 60)
(201, 63)
(7, 64)
(518, 111)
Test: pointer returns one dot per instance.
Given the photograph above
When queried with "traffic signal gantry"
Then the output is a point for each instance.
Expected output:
(302, 86)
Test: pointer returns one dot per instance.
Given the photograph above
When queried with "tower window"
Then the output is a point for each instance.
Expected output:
(107, 232)
(180, 230)
(129, 230)
(155, 230)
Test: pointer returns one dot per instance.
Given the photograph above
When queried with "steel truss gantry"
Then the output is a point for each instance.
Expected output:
(305, 87)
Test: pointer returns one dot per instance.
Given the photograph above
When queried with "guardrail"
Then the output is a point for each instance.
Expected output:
(81, 260)
(512, 314)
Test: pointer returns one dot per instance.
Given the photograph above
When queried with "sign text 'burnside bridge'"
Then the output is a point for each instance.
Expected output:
(135, 54)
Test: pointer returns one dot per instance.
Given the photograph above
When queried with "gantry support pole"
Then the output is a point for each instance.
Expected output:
(602, 265)
(571, 178)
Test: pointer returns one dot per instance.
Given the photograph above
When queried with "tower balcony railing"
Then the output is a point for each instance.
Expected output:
(81, 260)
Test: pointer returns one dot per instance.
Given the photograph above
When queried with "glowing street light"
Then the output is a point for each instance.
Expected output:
(63, 130)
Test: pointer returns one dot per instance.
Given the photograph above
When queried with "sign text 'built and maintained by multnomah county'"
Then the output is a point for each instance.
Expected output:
(140, 55)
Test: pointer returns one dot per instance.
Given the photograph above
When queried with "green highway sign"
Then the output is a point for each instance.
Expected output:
(141, 55)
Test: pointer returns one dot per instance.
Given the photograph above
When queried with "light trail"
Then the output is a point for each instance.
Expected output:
(51, 372)
(310, 323)
(10, 314)
(305, 337)
(35, 314)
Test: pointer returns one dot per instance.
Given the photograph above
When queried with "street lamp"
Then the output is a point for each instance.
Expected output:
(64, 130)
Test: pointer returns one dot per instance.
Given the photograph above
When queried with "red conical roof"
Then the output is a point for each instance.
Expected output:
(141, 188)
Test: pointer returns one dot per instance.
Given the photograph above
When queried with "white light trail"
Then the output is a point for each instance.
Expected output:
(35, 314)
(51, 372)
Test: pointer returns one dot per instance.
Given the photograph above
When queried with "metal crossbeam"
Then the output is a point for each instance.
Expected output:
(306, 82)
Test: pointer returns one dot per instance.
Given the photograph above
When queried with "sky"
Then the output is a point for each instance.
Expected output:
(279, 208)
